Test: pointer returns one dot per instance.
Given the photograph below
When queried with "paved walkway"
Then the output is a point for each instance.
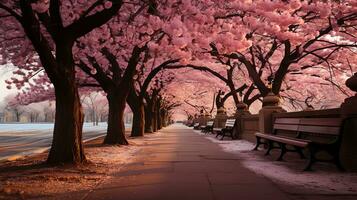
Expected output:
(183, 165)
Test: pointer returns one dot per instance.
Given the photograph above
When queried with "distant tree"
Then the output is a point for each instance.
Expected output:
(16, 110)
(33, 115)
(49, 112)
(95, 103)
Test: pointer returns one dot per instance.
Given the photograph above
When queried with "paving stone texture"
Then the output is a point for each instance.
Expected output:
(182, 165)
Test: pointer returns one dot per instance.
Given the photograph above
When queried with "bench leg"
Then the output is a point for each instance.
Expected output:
(299, 151)
(270, 147)
(223, 134)
(312, 159)
(257, 145)
(337, 161)
(282, 152)
(217, 134)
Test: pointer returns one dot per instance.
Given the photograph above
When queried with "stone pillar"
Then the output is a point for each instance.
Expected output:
(221, 117)
(201, 118)
(271, 104)
(242, 109)
(206, 118)
(348, 151)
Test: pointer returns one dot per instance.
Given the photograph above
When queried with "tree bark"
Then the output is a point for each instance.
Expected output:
(138, 120)
(148, 118)
(233, 91)
(154, 114)
(164, 117)
(158, 113)
(67, 135)
(116, 125)
(17, 116)
(136, 105)
(67, 144)
(154, 121)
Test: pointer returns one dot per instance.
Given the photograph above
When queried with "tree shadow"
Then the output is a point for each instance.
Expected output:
(15, 166)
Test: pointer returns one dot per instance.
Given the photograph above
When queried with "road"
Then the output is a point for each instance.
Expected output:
(17, 140)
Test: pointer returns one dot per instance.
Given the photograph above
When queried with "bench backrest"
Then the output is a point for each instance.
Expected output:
(210, 123)
(310, 128)
(230, 123)
(289, 124)
(325, 126)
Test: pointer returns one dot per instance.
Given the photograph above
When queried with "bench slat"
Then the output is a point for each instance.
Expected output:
(288, 141)
(287, 120)
(210, 123)
(320, 129)
(285, 140)
(289, 127)
(322, 121)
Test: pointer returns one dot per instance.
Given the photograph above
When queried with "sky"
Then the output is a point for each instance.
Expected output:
(5, 73)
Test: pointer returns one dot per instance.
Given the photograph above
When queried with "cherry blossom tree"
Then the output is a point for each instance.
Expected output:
(241, 45)
(296, 39)
(148, 39)
(285, 43)
(42, 33)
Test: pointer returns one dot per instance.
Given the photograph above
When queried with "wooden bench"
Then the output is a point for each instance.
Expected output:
(228, 129)
(208, 128)
(313, 134)
(196, 126)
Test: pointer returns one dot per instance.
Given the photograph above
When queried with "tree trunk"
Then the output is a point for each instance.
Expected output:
(154, 121)
(158, 113)
(17, 117)
(67, 135)
(136, 104)
(154, 114)
(67, 144)
(164, 117)
(93, 117)
(116, 125)
(138, 120)
(148, 118)
(234, 93)
(96, 120)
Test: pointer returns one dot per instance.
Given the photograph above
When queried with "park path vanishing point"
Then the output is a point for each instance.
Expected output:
(180, 164)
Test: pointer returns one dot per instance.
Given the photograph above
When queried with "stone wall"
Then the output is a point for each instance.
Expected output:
(249, 125)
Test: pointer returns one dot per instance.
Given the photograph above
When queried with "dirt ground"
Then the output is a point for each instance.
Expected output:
(30, 177)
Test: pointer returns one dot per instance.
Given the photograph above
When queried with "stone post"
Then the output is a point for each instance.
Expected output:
(270, 105)
(348, 151)
(201, 118)
(242, 109)
(221, 117)
(206, 118)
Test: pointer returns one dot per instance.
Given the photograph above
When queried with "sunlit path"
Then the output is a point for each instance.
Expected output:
(181, 164)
